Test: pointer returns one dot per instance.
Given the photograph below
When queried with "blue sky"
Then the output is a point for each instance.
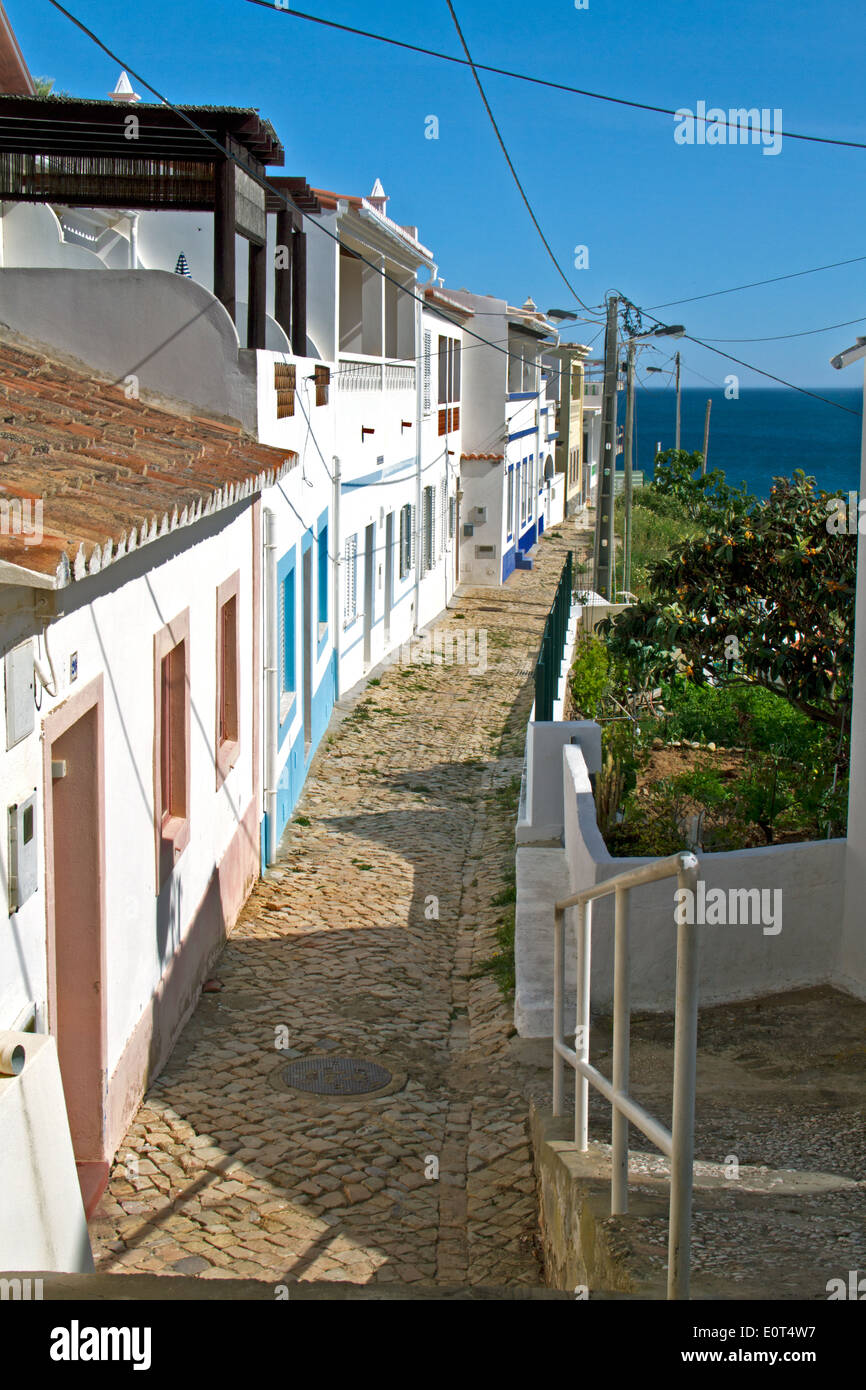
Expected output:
(661, 221)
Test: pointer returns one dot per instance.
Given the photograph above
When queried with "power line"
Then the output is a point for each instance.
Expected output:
(264, 183)
(771, 376)
(783, 337)
(509, 161)
(545, 82)
(753, 284)
(739, 361)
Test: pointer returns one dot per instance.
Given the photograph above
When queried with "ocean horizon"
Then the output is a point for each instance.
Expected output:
(767, 432)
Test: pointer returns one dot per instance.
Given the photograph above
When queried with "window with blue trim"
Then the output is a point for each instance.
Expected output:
(323, 582)
(287, 644)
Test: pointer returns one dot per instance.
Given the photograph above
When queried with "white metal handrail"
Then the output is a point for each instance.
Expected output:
(678, 1143)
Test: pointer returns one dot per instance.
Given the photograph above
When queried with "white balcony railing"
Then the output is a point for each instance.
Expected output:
(363, 374)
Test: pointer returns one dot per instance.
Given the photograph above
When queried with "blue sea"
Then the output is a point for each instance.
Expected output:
(766, 433)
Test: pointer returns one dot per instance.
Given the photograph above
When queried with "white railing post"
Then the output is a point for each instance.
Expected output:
(558, 1009)
(619, 1077)
(683, 1123)
(581, 1032)
(679, 1143)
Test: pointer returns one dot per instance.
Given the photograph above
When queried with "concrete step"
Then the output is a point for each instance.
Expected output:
(780, 1143)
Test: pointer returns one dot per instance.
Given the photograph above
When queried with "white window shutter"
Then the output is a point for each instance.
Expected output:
(281, 599)
(427, 372)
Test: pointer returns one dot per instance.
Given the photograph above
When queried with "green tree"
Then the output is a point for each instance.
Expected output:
(765, 599)
(703, 496)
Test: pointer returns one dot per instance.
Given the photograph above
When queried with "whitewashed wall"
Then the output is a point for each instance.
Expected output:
(735, 962)
(110, 621)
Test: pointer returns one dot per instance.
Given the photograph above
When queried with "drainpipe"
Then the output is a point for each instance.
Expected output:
(338, 555)
(272, 691)
(419, 416)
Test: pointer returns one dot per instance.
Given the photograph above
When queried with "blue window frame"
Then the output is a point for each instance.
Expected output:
(287, 622)
(322, 572)
(323, 577)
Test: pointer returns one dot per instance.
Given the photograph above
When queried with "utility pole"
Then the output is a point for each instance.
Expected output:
(706, 435)
(602, 580)
(628, 445)
(677, 441)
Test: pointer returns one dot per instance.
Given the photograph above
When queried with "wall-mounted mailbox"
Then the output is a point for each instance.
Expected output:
(22, 852)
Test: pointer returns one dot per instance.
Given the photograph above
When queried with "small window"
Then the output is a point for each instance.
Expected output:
(443, 370)
(428, 529)
(406, 528)
(449, 371)
(172, 715)
(287, 644)
(171, 739)
(228, 678)
(511, 501)
(323, 581)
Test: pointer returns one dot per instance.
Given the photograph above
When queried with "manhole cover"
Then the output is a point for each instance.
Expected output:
(335, 1076)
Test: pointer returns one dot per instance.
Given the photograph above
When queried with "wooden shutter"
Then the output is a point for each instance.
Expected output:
(323, 381)
(284, 383)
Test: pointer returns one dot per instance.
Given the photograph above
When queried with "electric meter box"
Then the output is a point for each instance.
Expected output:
(20, 713)
(22, 852)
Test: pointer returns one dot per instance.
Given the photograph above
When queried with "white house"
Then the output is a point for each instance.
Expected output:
(397, 387)
(510, 487)
(130, 629)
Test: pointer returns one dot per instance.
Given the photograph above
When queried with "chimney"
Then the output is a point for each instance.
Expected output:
(378, 198)
(123, 91)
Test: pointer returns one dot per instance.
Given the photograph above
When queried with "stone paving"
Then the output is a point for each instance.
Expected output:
(364, 941)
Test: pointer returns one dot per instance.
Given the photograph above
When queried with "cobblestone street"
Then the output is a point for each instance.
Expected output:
(408, 812)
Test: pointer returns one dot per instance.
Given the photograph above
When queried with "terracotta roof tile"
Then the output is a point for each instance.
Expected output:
(111, 473)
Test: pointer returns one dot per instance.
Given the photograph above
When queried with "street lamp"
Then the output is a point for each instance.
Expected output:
(851, 354)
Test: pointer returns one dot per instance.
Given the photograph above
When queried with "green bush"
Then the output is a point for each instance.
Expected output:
(744, 717)
(589, 675)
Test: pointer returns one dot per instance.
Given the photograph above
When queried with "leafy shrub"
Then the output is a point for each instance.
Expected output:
(589, 674)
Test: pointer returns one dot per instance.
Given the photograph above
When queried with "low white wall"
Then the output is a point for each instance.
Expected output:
(541, 813)
(42, 1225)
(736, 962)
(169, 332)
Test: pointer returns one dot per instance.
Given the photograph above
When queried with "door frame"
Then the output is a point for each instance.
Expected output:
(55, 724)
